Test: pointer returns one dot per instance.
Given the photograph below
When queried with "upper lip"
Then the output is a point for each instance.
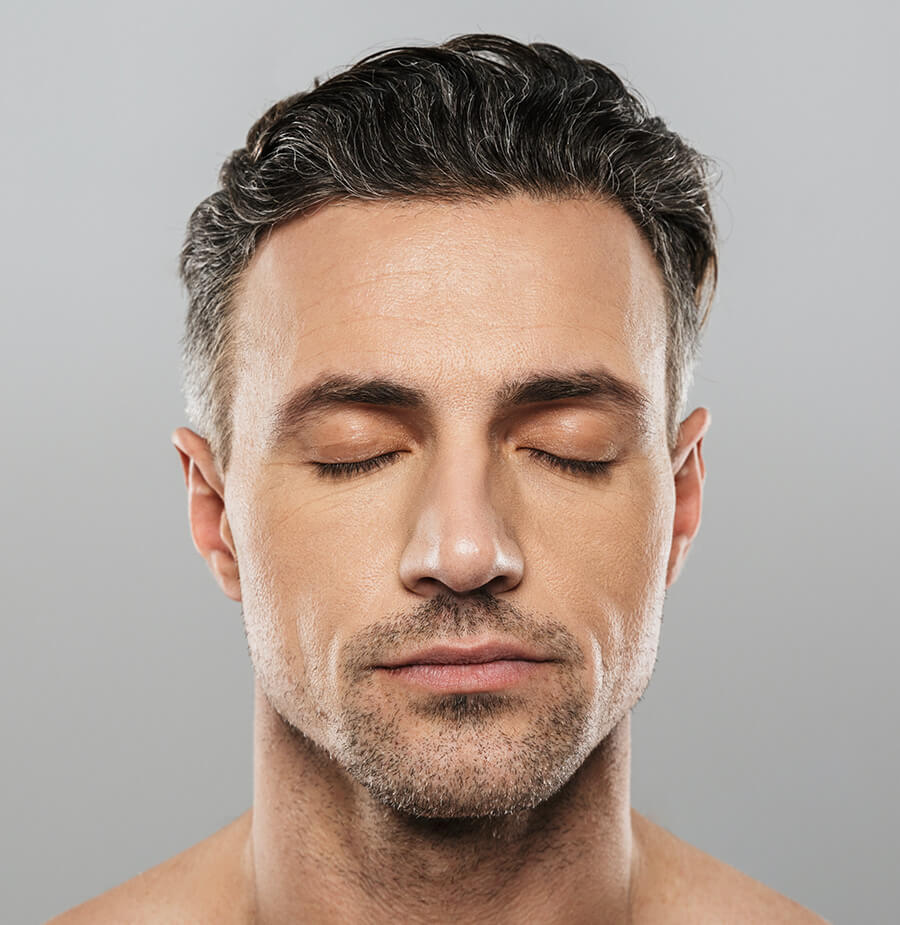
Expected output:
(468, 654)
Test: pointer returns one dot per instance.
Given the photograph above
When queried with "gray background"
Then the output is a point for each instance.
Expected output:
(769, 734)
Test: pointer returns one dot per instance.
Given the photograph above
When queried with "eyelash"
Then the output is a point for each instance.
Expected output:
(575, 466)
(346, 469)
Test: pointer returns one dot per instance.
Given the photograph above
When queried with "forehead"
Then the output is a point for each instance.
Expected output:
(454, 297)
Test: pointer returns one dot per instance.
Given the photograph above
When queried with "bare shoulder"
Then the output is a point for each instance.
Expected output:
(201, 884)
(677, 883)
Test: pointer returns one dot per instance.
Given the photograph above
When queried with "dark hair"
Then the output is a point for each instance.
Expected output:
(480, 116)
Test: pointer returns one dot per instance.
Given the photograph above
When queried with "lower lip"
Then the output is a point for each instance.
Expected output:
(467, 679)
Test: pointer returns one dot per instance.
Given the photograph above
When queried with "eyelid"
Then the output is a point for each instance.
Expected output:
(587, 467)
(341, 470)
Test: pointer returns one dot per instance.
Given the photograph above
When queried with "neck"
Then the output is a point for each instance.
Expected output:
(324, 850)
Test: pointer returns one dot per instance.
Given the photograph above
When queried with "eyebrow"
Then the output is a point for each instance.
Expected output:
(330, 391)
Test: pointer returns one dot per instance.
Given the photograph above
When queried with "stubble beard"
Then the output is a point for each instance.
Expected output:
(454, 759)
(454, 756)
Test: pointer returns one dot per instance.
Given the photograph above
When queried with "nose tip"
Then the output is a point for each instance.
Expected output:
(462, 555)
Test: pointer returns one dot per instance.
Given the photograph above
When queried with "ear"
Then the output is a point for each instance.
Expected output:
(688, 471)
(206, 510)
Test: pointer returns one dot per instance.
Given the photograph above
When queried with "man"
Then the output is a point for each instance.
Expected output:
(443, 315)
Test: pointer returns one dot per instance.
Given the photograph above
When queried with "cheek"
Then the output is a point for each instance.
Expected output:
(638, 559)
(613, 541)
(286, 617)
(605, 555)
(302, 564)
(287, 543)
(341, 547)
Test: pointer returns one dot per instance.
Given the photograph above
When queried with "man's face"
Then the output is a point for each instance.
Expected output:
(437, 334)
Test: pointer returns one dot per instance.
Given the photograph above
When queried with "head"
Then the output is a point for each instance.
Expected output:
(443, 314)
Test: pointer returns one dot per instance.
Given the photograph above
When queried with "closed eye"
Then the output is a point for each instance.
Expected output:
(576, 466)
(347, 469)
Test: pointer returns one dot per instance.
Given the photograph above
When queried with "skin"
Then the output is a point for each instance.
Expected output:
(373, 800)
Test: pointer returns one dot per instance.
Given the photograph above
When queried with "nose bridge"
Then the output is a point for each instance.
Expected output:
(459, 538)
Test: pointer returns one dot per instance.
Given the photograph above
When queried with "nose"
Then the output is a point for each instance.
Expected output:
(459, 541)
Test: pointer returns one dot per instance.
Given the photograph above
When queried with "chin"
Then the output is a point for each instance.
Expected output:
(467, 756)
(466, 789)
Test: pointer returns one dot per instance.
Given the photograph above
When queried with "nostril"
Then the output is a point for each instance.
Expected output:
(500, 584)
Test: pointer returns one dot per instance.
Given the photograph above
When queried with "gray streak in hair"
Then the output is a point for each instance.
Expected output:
(480, 116)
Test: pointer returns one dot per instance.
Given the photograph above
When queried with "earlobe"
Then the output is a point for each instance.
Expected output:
(689, 472)
(206, 510)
